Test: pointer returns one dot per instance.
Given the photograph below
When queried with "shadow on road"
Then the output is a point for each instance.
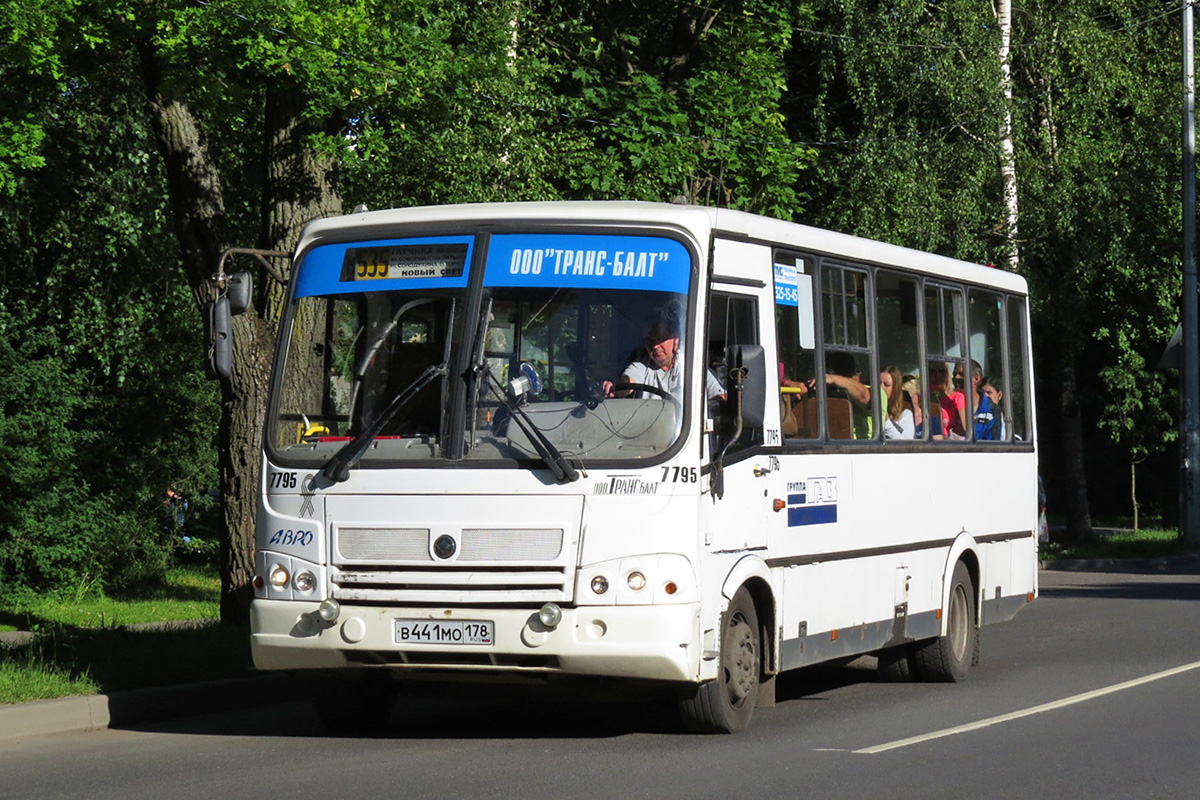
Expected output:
(482, 711)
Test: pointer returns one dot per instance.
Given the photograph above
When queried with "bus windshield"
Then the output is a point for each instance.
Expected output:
(391, 341)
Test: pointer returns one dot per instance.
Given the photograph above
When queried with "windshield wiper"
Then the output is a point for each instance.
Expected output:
(560, 467)
(337, 469)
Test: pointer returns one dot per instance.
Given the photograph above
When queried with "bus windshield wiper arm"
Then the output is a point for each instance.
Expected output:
(337, 469)
(560, 467)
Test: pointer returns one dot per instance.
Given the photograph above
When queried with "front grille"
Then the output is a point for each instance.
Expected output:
(383, 544)
(489, 566)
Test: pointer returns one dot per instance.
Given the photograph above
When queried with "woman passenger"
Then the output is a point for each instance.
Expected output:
(897, 419)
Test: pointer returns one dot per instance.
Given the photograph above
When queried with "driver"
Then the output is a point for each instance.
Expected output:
(661, 366)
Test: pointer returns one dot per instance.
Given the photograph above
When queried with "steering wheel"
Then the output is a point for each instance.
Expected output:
(644, 387)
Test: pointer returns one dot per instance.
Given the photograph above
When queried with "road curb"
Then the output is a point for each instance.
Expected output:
(134, 706)
(1159, 564)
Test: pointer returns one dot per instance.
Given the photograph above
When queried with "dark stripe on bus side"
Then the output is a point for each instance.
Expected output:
(843, 555)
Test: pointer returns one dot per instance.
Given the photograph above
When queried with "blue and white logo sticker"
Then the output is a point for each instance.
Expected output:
(579, 261)
(787, 290)
(812, 502)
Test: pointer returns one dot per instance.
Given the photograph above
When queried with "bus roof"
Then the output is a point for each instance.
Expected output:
(700, 220)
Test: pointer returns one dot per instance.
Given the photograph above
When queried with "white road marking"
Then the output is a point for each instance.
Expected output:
(1066, 701)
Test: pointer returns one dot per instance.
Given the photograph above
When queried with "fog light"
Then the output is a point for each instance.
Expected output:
(304, 581)
(599, 584)
(329, 610)
(279, 576)
(636, 581)
(550, 615)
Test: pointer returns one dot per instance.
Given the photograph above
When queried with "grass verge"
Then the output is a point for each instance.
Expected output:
(108, 644)
(1147, 543)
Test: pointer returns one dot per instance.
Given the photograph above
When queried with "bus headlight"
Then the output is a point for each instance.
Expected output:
(304, 581)
(599, 584)
(636, 581)
(279, 576)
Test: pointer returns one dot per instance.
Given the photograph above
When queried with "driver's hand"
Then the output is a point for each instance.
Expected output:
(607, 387)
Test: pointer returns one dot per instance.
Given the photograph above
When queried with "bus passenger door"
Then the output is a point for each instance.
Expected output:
(736, 506)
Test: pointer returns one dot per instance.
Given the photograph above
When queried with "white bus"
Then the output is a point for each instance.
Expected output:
(642, 441)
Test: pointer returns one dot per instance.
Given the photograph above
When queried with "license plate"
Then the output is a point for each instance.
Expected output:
(457, 631)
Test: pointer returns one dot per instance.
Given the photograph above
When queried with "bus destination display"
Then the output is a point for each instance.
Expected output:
(405, 261)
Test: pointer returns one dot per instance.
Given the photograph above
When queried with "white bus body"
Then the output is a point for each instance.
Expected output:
(494, 525)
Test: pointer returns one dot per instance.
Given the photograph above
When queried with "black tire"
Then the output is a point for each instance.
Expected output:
(726, 704)
(949, 658)
(354, 706)
(897, 664)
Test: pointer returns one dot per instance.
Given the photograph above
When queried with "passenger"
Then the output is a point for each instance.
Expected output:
(940, 395)
(897, 419)
(992, 391)
(792, 393)
(661, 366)
(955, 402)
(842, 373)
(937, 421)
(986, 418)
(912, 399)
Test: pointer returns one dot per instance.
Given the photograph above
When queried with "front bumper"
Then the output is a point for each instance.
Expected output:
(649, 642)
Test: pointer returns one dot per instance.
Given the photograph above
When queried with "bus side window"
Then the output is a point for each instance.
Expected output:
(944, 330)
(732, 319)
(1016, 394)
(986, 368)
(847, 353)
(898, 335)
(795, 333)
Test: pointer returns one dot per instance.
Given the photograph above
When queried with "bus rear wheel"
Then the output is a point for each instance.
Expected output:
(726, 704)
(948, 658)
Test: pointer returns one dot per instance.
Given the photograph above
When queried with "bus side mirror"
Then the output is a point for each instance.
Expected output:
(218, 338)
(747, 373)
(238, 288)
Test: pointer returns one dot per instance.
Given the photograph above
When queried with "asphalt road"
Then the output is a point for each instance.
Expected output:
(1093, 691)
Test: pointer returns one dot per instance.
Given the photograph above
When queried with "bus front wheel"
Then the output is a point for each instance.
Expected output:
(949, 657)
(726, 704)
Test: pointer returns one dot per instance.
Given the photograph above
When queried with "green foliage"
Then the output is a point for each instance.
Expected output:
(676, 116)
(106, 408)
(874, 119)
(905, 102)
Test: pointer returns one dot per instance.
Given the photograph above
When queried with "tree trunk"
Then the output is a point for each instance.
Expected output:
(301, 184)
(243, 408)
(1008, 160)
(691, 25)
(298, 188)
(194, 186)
(1133, 491)
(1079, 517)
